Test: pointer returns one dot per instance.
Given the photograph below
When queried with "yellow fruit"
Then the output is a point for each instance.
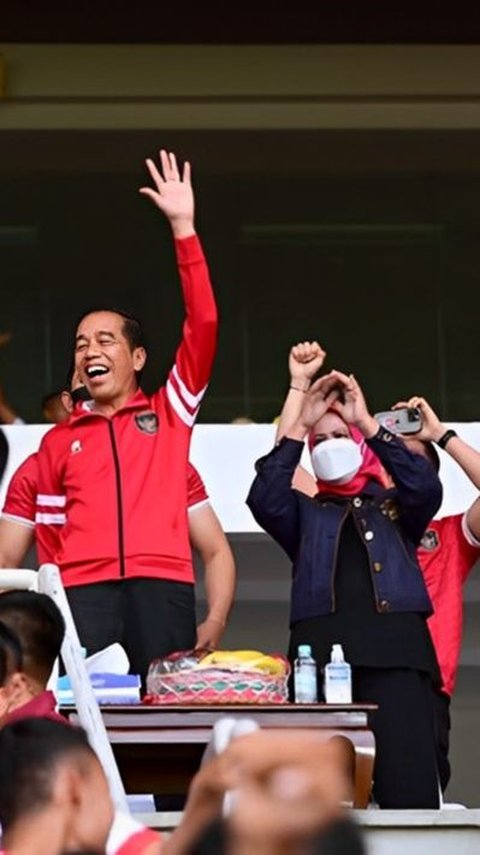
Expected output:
(243, 660)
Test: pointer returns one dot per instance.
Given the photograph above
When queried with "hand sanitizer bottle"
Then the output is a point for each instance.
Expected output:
(305, 676)
(338, 678)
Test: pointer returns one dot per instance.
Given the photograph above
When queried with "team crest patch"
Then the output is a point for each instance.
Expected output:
(147, 422)
(430, 540)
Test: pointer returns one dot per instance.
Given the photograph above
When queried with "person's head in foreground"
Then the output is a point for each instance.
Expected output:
(38, 627)
(54, 796)
(10, 665)
(288, 791)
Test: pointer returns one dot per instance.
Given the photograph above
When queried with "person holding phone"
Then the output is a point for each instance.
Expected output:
(356, 580)
(447, 553)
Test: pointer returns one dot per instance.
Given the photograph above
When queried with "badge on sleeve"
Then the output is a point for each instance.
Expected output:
(147, 422)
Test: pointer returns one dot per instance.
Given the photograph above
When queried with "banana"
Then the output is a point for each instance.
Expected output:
(243, 660)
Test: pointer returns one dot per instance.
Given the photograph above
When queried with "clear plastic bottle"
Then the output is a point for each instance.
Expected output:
(305, 676)
(338, 678)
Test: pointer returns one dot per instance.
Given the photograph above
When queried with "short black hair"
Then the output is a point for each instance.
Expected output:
(39, 626)
(30, 750)
(132, 328)
(10, 653)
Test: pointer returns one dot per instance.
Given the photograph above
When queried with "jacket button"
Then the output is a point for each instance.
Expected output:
(377, 567)
(357, 503)
(369, 535)
(384, 605)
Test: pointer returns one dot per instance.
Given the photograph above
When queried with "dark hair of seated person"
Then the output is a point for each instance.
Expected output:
(10, 653)
(30, 750)
(342, 837)
(39, 626)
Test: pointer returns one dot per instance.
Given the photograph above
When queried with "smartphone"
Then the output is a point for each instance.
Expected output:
(406, 420)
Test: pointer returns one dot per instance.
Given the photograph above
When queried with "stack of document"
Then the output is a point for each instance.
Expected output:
(107, 688)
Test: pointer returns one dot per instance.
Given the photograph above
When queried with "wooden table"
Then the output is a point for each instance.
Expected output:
(159, 749)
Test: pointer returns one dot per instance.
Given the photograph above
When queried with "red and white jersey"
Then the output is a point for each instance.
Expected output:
(447, 553)
(21, 498)
(21, 501)
(129, 837)
(112, 491)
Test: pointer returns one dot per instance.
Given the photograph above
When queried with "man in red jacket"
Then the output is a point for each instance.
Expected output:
(112, 480)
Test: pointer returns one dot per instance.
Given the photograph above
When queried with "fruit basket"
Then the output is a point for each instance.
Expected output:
(218, 677)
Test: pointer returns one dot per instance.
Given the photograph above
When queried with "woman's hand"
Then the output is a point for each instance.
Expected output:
(320, 398)
(304, 360)
(351, 405)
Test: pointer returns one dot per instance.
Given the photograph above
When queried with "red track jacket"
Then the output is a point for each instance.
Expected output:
(112, 491)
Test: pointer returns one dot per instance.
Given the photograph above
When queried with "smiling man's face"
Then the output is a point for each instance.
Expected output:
(104, 360)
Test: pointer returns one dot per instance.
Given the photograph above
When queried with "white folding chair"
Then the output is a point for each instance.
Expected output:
(47, 581)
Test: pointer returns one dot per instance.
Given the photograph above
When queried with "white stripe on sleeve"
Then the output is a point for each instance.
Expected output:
(50, 500)
(50, 519)
(190, 399)
(179, 408)
(469, 535)
(197, 505)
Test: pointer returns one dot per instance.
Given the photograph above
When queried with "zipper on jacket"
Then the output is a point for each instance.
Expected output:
(118, 483)
(335, 557)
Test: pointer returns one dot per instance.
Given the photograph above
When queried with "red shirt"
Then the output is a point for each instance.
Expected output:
(447, 554)
(21, 500)
(129, 837)
(138, 843)
(41, 706)
(112, 491)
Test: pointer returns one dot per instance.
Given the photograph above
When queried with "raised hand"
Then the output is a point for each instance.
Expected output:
(304, 360)
(321, 397)
(173, 193)
(351, 404)
(432, 428)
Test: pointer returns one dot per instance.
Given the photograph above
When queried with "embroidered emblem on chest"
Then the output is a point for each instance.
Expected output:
(147, 422)
(430, 540)
(76, 446)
